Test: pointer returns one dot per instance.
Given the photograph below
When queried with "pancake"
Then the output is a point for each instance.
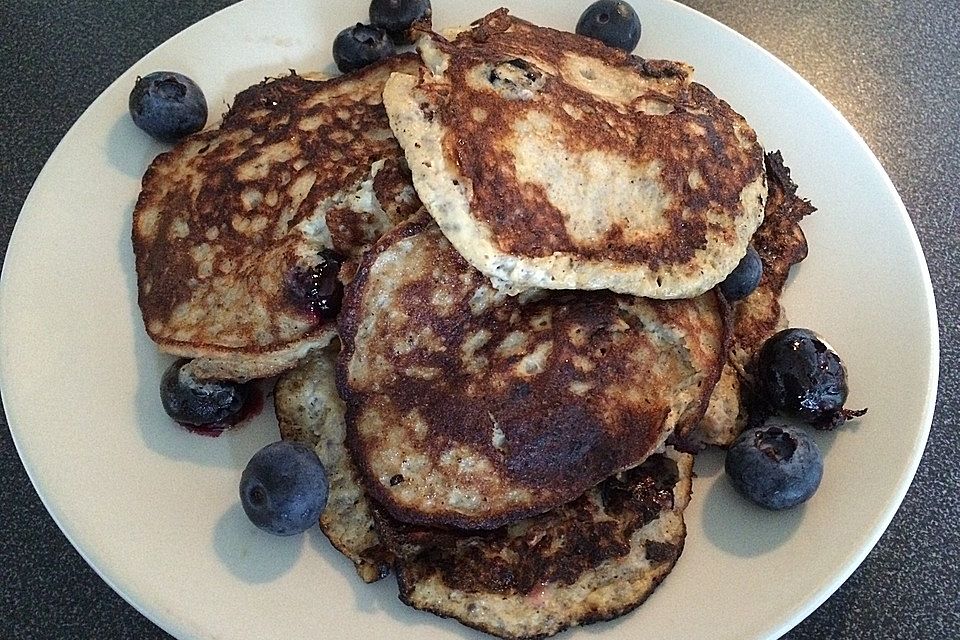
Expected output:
(232, 224)
(470, 408)
(552, 161)
(310, 411)
(593, 559)
(781, 244)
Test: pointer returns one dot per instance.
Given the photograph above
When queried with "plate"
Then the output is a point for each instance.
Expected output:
(154, 508)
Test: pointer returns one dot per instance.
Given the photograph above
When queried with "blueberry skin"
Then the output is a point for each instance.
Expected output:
(745, 277)
(318, 291)
(776, 467)
(800, 376)
(612, 22)
(396, 16)
(360, 45)
(284, 488)
(168, 105)
(200, 403)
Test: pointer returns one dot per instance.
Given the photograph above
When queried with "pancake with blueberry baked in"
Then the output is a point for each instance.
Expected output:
(467, 407)
(240, 230)
(550, 160)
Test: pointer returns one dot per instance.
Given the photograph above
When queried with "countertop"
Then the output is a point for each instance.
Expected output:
(891, 69)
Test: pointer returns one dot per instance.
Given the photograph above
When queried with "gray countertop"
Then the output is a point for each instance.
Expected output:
(890, 67)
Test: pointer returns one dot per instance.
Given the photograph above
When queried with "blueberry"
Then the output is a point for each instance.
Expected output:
(284, 488)
(360, 45)
(195, 402)
(612, 22)
(744, 278)
(396, 16)
(318, 290)
(777, 467)
(168, 105)
(798, 375)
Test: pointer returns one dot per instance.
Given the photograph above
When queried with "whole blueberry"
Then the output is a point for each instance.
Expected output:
(612, 22)
(396, 16)
(284, 488)
(167, 105)
(744, 278)
(776, 467)
(194, 402)
(359, 46)
(798, 375)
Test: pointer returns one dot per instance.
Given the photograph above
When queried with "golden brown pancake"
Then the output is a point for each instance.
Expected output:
(232, 221)
(593, 559)
(550, 160)
(469, 408)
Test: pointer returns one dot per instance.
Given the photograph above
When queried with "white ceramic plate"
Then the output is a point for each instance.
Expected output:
(154, 509)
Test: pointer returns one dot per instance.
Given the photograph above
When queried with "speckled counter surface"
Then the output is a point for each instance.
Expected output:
(891, 69)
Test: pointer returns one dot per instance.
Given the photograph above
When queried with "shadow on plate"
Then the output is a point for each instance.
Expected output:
(739, 527)
(254, 556)
(368, 598)
(130, 150)
(382, 597)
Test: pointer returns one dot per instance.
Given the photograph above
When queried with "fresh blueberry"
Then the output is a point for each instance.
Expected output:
(360, 45)
(193, 402)
(612, 22)
(168, 105)
(284, 488)
(744, 278)
(800, 376)
(776, 467)
(318, 290)
(396, 16)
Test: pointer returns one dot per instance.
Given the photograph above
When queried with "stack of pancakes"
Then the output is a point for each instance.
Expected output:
(518, 361)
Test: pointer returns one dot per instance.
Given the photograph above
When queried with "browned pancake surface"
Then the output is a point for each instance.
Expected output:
(574, 164)
(523, 219)
(310, 411)
(592, 559)
(228, 218)
(781, 244)
(470, 408)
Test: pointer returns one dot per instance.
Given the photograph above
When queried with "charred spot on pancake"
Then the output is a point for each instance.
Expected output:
(662, 68)
(516, 79)
(644, 490)
(658, 552)
(542, 453)
(520, 391)
(428, 111)
(317, 290)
